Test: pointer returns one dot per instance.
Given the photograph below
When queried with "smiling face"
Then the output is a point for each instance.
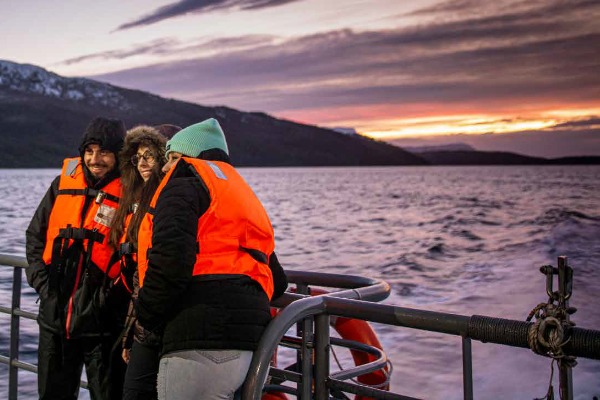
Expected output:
(146, 161)
(99, 161)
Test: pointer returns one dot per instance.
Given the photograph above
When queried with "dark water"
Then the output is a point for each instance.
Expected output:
(465, 240)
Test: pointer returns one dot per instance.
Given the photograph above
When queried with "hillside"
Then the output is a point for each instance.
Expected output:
(474, 157)
(42, 116)
(479, 158)
(437, 148)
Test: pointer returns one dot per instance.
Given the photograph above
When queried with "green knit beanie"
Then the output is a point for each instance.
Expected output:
(194, 139)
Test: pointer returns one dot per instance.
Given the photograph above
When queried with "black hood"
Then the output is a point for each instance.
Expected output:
(107, 133)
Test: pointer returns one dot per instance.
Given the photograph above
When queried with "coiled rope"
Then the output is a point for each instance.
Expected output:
(548, 335)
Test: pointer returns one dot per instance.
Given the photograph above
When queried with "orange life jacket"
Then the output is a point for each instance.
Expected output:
(128, 254)
(67, 224)
(235, 235)
(145, 237)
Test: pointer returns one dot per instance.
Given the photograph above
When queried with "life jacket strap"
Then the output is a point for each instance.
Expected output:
(99, 195)
(256, 254)
(80, 234)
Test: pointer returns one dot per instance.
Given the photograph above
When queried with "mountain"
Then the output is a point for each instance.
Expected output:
(581, 160)
(473, 157)
(42, 117)
(465, 154)
(441, 147)
(345, 130)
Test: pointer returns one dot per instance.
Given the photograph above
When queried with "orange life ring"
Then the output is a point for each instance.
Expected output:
(360, 331)
(274, 396)
(355, 330)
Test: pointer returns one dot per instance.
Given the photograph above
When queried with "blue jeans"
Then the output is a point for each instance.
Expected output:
(202, 374)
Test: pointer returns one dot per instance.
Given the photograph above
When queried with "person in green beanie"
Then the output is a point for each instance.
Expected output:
(211, 269)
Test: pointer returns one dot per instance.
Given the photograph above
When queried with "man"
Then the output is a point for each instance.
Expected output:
(72, 267)
(211, 268)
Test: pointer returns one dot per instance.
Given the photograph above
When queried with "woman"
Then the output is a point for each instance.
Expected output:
(141, 162)
(212, 270)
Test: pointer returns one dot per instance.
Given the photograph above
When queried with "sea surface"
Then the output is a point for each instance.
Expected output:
(464, 240)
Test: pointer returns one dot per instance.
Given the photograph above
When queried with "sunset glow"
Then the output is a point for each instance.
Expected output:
(465, 126)
(436, 70)
(469, 124)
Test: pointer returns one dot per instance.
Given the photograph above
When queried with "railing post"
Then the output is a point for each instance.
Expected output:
(304, 329)
(565, 281)
(306, 358)
(467, 368)
(13, 352)
(321, 356)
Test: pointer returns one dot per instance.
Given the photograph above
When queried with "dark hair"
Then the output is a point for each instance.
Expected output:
(167, 130)
(135, 190)
(214, 155)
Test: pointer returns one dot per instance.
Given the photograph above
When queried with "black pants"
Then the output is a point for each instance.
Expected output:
(60, 362)
(140, 378)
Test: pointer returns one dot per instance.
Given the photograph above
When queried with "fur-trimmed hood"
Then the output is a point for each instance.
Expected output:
(141, 135)
(135, 189)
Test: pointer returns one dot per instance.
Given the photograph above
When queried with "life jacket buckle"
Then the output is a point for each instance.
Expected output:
(100, 197)
(126, 248)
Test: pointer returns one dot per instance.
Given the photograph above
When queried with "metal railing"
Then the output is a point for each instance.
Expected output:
(15, 312)
(583, 342)
(354, 298)
(352, 287)
(315, 381)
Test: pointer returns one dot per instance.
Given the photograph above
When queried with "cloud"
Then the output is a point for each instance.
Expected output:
(449, 7)
(463, 9)
(346, 67)
(174, 47)
(507, 56)
(512, 55)
(184, 7)
(593, 122)
(160, 46)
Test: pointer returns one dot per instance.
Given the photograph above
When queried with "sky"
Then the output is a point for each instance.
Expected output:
(520, 76)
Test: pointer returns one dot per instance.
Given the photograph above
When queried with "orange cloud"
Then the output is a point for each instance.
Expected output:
(389, 121)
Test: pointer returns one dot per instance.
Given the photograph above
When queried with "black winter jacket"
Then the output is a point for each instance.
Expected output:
(196, 312)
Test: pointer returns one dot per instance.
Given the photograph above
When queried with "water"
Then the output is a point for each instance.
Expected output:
(465, 240)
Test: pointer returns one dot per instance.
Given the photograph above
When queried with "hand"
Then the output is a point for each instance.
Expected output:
(126, 355)
(40, 279)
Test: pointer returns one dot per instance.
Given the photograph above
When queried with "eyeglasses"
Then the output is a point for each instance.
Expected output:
(149, 157)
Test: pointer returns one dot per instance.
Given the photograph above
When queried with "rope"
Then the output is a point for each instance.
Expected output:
(548, 335)
(387, 373)
(550, 393)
